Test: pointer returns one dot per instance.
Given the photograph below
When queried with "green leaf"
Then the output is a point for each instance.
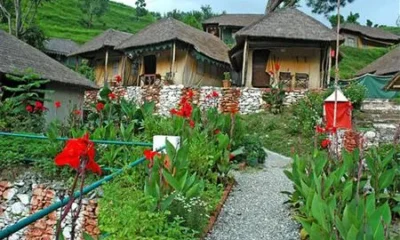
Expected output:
(86, 236)
(352, 234)
(167, 202)
(347, 191)
(171, 151)
(318, 210)
(171, 180)
(386, 179)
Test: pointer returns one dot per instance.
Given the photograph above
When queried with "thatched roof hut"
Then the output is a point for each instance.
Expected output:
(362, 36)
(17, 56)
(58, 46)
(108, 39)
(233, 20)
(169, 30)
(386, 65)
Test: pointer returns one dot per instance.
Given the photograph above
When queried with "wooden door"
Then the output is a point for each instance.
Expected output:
(260, 77)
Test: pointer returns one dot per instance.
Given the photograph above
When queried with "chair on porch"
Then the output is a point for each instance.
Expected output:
(302, 80)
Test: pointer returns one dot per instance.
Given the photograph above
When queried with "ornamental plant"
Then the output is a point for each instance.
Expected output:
(79, 154)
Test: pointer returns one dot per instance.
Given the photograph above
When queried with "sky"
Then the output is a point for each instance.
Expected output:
(382, 12)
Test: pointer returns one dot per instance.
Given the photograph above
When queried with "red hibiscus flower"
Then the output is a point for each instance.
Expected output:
(217, 131)
(191, 123)
(149, 155)
(99, 106)
(277, 67)
(77, 112)
(57, 104)
(215, 94)
(118, 78)
(319, 129)
(29, 108)
(112, 96)
(325, 143)
(76, 150)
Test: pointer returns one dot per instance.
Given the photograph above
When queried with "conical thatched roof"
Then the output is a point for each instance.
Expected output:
(385, 65)
(288, 23)
(169, 29)
(109, 38)
(372, 32)
(234, 20)
(60, 46)
(17, 56)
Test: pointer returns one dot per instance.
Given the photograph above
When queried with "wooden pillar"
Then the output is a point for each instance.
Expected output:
(173, 60)
(106, 69)
(244, 67)
(124, 61)
(329, 65)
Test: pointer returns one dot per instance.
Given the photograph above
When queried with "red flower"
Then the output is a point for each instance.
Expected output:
(118, 78)
(29, 108)
(277, 67)
(186, 110)
(231, 156)
(149, 155)
(319, 129)
(99, 106)
(190, 94)
(191, 123)
(75, 150)
(215, 94)
(112, 96)
(57, 104)
(216, 131)
(77, 112)
(39, 106)
(325, 143)
(183, 100)
(234, 111)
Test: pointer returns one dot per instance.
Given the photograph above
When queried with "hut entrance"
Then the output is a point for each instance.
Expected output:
(260, 77)
(150, 63)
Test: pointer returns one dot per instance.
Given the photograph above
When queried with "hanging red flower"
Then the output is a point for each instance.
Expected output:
(149, 155)
(99, 106)
(118, 78)
(325, 143)
(319, 129)
(191, 123)
(77, 112)
(112, 96)
(277, 67)
(29, 108)
(57, 104)
(77, 149)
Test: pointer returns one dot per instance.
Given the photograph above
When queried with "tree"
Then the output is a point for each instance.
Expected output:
(369, 23)
(140, 8)
(92, 8)
(20, 13)
(353, 18)
(333, 19)
(325, 6)
(207, 12)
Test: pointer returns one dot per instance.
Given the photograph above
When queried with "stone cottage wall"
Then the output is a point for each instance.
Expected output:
(244, 100)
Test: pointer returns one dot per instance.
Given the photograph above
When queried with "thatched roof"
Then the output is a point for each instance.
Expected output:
(387, 64)
(17, 56)
(234, 20)
(288, 23)
(371, 32)
(169, 29)
(109, 38)
(60, 46)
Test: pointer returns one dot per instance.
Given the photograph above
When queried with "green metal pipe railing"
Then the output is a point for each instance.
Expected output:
(142, 144)
(42, 213)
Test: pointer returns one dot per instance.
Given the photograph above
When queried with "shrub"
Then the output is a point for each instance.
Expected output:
(275, 99)
(253, 151)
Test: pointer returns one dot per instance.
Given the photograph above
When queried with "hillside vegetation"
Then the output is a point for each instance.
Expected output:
(63, 19)
(354, 59)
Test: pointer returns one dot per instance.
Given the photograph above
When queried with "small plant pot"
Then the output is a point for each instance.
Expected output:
(226, 83)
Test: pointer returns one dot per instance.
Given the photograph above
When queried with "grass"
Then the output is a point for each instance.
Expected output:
(63, 19)
(394, 30)
(354, 59)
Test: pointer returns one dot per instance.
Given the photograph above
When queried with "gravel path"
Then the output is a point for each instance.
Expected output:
(255, 209)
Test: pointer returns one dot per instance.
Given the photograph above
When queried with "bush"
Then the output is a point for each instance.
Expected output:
(253, 151)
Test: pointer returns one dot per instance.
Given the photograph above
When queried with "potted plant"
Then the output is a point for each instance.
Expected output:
(227, 80)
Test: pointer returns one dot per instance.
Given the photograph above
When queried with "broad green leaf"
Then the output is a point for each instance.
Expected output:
(171, 180)
(317, 232)
(347, 191)
(386, 179)
(352, 234)
(318, 210)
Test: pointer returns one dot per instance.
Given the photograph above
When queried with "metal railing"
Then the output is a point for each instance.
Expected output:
(44, 212)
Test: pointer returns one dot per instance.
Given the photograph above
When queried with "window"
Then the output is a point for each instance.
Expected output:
(351, 42)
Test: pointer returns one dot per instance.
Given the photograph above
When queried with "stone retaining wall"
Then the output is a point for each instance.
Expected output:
(244, 100)
(30, 193)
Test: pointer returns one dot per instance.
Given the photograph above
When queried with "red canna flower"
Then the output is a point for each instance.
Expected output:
(190, 94)
(29, 108)
(39, 106)
(57, 104)
(149, 155)
(118, 78)
(99, 106)
(77, 112)
(234, 111)
(217, 131)
(325, 143)
(186, 110)
(191, 123)
(215, 94)
(277, 67)
(183, 100)
(112, 96)
(77, 149)
(319, 129)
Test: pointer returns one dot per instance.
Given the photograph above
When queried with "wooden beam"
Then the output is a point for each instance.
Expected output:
(173, 60)
(105, 70)
(245, 54)
(124, 60)
(329, 65)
